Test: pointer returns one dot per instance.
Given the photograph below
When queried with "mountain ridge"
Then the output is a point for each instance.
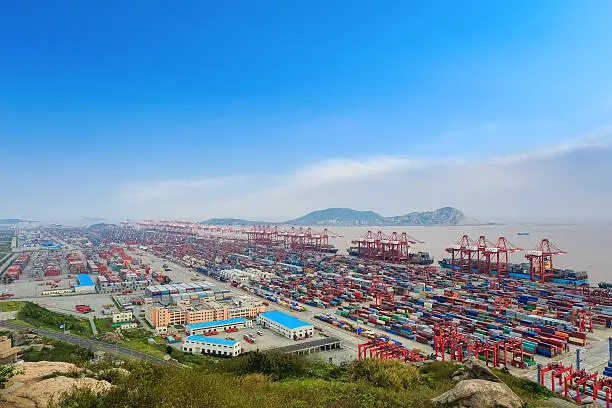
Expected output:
(337, 216)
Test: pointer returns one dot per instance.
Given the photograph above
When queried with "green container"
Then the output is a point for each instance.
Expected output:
(384, 318)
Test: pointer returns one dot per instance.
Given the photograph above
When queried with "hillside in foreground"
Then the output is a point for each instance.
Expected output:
(255, 380)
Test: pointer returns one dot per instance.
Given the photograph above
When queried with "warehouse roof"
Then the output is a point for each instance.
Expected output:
(212, 340)
(85, 280)
(284, 319)
(217, 323)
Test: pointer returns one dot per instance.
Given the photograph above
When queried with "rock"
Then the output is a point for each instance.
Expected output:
(111, 337)
(474, 369)
(31, 390)
(115, 373)
(479, 394)
(31, 336)
(37, 370)
(49, 391)
(39, 347)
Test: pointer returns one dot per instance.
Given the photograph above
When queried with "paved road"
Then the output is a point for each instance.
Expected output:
(89, 343)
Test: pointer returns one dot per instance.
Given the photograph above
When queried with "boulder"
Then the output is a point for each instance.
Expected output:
(48, 391)
(474, 369)
(479, 394)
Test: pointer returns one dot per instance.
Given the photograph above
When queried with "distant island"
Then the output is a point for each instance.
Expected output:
(348, 217)
(11, 221)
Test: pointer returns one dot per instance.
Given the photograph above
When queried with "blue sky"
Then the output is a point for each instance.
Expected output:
(190, 109)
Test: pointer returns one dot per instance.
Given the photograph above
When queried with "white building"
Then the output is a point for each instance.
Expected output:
(201, 328)
(210, 345)
(286, 325)
(122, 317)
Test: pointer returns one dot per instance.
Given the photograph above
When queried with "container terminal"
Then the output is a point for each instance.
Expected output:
(394, 303)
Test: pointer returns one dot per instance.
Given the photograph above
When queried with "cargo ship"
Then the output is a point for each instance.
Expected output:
(521, 271)
(414, 258)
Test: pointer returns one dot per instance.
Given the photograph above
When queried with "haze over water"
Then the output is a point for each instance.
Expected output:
(585, 245)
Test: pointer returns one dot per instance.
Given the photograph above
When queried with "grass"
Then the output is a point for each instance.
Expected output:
(11, 305)
(117, 304)
(33, 315)
(530, 392)
(273, 380)
(60, 352)
(137, 339)
(103, 325)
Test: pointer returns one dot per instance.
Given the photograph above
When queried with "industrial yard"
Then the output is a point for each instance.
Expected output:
(378, 301)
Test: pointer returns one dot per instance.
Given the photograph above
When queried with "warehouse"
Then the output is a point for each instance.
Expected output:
(204, 327)
(86, 284)
(208, 345)
(286, 325)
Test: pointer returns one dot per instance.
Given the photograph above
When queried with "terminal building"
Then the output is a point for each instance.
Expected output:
(201, 328)
(286, 325)
(209, 345)
(160, 317)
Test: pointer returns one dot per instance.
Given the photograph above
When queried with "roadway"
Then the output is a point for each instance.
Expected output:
(89, 343)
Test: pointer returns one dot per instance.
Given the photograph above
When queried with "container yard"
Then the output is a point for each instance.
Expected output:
(383, 299)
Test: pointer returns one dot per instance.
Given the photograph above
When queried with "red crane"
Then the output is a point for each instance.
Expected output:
(558, 370)
(541, 261)
(584, 384)
(461, 254)
(380, 291)
(482, 260)
(497, 256)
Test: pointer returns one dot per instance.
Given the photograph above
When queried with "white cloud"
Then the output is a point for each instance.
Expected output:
(546, 184)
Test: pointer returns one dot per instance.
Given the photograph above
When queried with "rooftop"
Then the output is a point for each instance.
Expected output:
(85, 280)
(284, 319)
(217, 323)
(213, 340)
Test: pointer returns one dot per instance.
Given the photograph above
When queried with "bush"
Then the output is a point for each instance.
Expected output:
(38, 316)
(60, 352)
(390, 374)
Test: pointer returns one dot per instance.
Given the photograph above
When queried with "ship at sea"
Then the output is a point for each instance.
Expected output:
(521, 234)
(414, 258)
(521, 271)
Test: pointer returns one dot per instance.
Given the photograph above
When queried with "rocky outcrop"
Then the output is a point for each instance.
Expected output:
(479, 394)
(474, 369)
(34, 388)
(48, 391)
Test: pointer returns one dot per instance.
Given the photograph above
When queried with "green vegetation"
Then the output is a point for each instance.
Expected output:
(274, 380)
(34, 315)
(11, 305)
(138, 339)
(59, 351)
(103, 325)
(117, 304)
(7, 372)
(530, 392)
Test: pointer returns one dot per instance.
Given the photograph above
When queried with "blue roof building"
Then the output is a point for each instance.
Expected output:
(203, 327)
(209, 345)
(86, 284)
(284, 319)
(287, 325)
(85, 280)
(212, 340)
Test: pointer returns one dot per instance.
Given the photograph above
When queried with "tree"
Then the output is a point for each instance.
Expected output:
(7, 372)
